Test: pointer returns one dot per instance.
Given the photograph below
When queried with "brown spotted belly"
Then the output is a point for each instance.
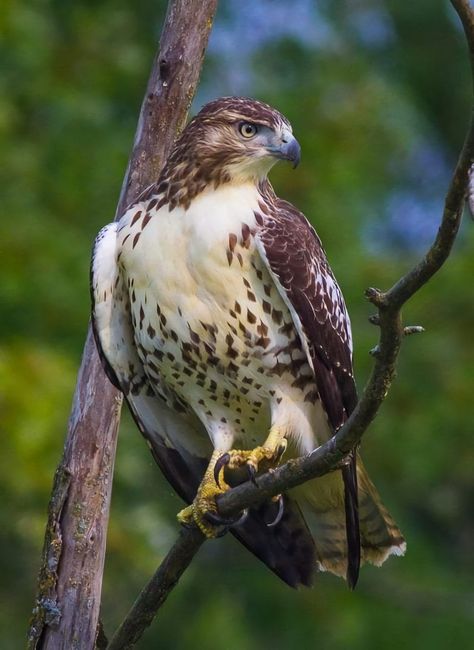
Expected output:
(227, 360)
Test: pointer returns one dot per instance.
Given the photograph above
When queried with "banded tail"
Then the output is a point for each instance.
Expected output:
(322, 501)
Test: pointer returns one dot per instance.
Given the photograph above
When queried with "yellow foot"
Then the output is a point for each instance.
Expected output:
(261, 458)
(203, 511)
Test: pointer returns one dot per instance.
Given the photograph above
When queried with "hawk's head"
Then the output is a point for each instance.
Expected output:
(231, 140)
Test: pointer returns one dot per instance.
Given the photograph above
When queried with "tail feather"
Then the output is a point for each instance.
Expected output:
(287, 549)
(325, 508)
(351, 504)
(380, 535)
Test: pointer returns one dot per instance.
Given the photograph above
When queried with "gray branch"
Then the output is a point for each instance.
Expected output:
(328, 456)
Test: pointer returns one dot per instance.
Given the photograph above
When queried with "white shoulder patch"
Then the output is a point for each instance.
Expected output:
(109, 311)
(104, 273)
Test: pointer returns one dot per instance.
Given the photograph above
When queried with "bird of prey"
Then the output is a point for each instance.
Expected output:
(217, 315)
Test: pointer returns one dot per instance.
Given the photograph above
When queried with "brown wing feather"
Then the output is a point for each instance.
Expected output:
(298, 263)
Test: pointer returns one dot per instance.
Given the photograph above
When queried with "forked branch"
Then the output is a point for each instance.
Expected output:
(328, 456)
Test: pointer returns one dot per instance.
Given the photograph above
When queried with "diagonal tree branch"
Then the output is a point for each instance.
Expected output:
(331, 454)
(67, 604)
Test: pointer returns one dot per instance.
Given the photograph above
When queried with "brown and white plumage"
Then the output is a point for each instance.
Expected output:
(216, 313)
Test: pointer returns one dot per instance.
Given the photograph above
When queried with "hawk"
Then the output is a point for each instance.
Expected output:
(217, 315)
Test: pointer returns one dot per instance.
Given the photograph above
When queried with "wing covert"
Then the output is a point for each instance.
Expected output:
(296, 259)
(297, 262)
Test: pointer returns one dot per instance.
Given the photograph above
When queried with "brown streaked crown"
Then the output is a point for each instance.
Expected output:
(244, 108)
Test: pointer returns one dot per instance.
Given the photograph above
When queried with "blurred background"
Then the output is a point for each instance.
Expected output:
(378, 92)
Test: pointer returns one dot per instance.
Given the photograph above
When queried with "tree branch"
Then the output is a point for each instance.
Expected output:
(67, 604)
(158, 589)
(328, 456)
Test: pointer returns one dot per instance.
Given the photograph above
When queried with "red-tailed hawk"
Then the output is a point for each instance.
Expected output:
(216, 313)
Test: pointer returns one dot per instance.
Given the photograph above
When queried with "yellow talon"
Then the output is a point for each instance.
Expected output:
(261, 458)
(203, 511)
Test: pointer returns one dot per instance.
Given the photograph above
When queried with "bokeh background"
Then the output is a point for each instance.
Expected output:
(378, 92)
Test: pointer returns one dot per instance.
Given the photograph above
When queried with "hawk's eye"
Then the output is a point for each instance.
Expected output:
(247, 129)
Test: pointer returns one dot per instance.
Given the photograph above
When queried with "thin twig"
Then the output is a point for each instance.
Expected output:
(158, 589)
(325, 458)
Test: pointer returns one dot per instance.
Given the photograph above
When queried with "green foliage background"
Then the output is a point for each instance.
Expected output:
(378, 92)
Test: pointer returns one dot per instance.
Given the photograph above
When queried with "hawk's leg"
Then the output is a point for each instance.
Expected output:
(203, 510)
(261, 458)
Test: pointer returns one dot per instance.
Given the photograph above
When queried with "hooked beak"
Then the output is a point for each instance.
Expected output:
(288, 149)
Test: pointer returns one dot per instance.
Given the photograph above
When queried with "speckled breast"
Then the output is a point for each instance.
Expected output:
(215, 335)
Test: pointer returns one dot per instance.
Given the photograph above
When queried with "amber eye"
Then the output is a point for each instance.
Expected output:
(247, 130)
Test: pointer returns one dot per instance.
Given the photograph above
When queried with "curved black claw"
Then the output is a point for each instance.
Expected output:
(220, 463)
(251, 471)
(243, 518)
(281, 450)
(281, 510)
(217, 520)
(225, 522)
